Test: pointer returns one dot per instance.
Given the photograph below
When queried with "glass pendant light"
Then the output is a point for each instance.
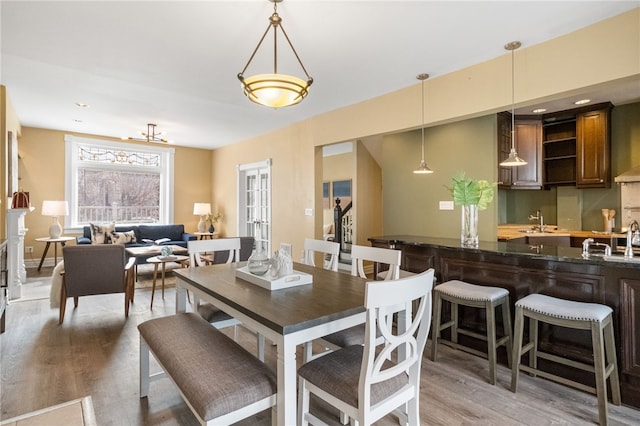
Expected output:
(422, 169)
(513, 160)
(275, 90)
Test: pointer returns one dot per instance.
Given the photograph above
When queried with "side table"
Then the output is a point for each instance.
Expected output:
(159, 260)
(55, 241)
(205, 235)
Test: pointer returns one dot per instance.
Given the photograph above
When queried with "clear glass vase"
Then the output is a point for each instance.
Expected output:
(258, 263)
(469, 235)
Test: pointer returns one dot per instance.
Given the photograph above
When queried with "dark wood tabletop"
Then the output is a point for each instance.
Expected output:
(331, 296)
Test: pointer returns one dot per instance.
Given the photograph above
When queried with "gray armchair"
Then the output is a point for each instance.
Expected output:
(96, 269)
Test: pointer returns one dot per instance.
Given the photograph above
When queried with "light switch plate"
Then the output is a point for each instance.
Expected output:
(446, 205)
(308, 212)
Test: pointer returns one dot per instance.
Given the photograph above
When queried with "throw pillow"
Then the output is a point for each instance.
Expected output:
(100, 233)
(123, 237)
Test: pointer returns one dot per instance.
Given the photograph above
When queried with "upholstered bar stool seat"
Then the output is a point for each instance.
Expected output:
(576, 315)
(477, 296)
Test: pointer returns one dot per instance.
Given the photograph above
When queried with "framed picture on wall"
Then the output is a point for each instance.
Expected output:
(342, 190)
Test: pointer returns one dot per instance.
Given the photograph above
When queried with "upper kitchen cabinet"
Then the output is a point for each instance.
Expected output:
(575, 147)
(504, 147)
(593, 147)
(528, 145)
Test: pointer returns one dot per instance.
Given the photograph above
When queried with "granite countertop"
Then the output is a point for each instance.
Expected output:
(505, 248)
(513, 231)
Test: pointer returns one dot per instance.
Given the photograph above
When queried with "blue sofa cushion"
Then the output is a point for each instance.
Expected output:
(156, 232)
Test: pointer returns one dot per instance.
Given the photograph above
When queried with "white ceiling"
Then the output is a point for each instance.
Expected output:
(175, 63)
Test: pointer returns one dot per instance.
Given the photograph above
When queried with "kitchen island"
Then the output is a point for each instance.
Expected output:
(552, 270)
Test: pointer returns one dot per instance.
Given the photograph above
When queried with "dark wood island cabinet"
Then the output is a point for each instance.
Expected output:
(555, 271)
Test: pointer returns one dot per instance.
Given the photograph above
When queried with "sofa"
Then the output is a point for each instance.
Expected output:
(134, 235)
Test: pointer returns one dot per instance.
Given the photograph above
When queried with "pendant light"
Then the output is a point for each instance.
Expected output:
(422, 169)
(275, 90)
(513, 160)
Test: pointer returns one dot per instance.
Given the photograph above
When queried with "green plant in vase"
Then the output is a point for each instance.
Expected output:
(211, 219)
(473, 195)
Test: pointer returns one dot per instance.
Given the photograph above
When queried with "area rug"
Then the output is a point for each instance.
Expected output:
(145, 277)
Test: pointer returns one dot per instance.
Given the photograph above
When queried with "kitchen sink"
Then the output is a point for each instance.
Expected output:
(535, 231)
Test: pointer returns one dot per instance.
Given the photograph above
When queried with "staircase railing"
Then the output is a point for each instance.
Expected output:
(342, 223)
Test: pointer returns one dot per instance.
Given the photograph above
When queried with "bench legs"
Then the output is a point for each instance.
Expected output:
(144, 368)
(145, 376)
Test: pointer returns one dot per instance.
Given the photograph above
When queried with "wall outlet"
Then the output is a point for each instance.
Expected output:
(28, 249)
(446, 205)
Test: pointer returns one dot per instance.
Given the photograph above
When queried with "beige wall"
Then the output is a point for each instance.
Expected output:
(368, 206)
(8, 123)
(293, 184)
(42, 171)
(609, 50)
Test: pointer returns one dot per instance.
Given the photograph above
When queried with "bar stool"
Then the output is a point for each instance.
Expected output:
(477, 296)
(576, 315)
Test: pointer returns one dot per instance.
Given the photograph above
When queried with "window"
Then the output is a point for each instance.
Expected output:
(117, 182)
(254, 198)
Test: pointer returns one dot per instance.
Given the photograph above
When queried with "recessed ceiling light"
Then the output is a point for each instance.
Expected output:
(82, 105)
(539, 110)
(582, 101)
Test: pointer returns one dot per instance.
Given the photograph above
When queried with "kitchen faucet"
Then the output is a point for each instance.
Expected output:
(540, 220)
(591, 242)
(633, 238)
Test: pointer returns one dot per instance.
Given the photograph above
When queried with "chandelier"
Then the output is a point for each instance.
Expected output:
(150, 136)
(275, 90)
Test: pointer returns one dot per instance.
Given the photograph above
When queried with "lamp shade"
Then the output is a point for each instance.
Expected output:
(201, 209)
(55, 208)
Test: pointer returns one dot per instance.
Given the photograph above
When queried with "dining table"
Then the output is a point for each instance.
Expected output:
(288, 317)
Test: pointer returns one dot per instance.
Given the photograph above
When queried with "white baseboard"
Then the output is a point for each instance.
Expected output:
(33, 263)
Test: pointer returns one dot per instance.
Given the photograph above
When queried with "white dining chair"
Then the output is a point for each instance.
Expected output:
(366, 382)
(362, 254)
(355, 335)
(329, 249)
(203, 252)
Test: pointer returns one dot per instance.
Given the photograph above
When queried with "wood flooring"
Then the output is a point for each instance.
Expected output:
(95, 352)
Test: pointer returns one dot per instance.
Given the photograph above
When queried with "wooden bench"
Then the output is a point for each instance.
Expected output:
(219, 380)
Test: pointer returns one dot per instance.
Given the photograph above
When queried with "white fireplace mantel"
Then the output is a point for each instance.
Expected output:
(17, 273)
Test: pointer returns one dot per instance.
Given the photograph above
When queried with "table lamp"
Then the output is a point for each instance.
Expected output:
(202, 210)
(55, 209)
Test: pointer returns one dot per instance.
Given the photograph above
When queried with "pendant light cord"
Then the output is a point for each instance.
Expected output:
(513, 114)
(422, 119)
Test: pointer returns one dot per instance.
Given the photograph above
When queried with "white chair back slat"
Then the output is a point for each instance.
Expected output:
(198, 247)
(391, 257)
(329, 248)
